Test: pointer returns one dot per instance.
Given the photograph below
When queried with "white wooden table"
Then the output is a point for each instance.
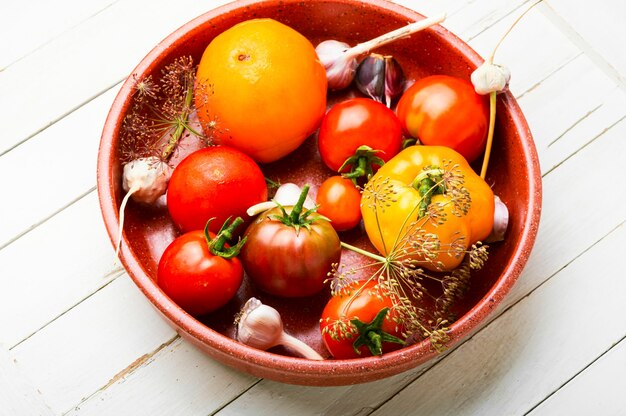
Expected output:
(78, 338)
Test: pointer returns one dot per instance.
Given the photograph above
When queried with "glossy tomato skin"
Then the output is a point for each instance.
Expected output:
(446, 111)
(365, 305)
(340, 201)
(289, 263)
(356, 122)
(198, 281)
(215, 182)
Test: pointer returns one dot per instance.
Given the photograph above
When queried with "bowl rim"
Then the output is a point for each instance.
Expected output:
(292, 369)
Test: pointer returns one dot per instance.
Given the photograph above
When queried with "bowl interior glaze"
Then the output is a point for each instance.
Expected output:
(513, 174)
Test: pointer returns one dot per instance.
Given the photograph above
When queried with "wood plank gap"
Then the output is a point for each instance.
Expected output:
(584, 145)
(235, 398)
(567, 130)
(42, 221)
(495, 316)
(575, 37)
(69, 29)
(61, 117)
(556, 70)
(469, 39)
(112, 276)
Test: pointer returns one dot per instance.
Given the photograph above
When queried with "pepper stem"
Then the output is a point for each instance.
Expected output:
(217, 245)
(428, 184)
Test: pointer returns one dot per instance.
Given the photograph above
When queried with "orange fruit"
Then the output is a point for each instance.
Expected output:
(260, 88)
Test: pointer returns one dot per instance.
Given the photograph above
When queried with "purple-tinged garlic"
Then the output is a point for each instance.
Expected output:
(260, 326)
(145, 180)
(500, 221)
(341, 61)
(380, 77)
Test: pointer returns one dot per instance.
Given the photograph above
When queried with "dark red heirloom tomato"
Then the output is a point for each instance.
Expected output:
(359, 322)
(289, 252)
(446, 111)
(354, 123)
(339, 200)
(199, 271)
(214, 182)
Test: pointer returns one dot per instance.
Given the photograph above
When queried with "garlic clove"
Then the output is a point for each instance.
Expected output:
(380, 77)
(287, 194)
(500, 221)
(260, 326)
(490, 77)
(340, 66)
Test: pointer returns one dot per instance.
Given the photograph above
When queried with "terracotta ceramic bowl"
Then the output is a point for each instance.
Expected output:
(513, 173)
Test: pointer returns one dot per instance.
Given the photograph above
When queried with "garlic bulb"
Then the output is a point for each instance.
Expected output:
(260, 326)
(380, 77)
(490, 77)
(500, 221)
(287, 194)
(147, 178)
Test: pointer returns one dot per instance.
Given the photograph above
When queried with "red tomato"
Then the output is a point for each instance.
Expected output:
(364, 302)
(354, 123)
(446, 111)
(214, 182)
(339, 200)
(289, 254)
(198, 280)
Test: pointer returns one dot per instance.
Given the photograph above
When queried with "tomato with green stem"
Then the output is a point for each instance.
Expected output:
(361, 321)
(339, 200)
(357, 136)
(290, 250)
(199, 271)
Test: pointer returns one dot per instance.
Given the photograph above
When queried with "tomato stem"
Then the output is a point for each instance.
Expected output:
(364, 252)
(217, 245)
(492, 124)
(297, 208)
(372, 334)
(362, 162)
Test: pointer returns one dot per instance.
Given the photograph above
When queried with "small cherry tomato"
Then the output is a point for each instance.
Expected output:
(360, 322)
(199, 271)
(290, 251)
(446, 111)
(352, 124)
(339, 200)
(214, 182)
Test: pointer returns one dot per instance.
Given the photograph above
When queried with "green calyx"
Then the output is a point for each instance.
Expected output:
(372, 334)
(217, 245)
(428, 184)
(299, 216)
(362, 163)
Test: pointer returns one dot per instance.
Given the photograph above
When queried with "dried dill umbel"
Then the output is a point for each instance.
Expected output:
(424, 298)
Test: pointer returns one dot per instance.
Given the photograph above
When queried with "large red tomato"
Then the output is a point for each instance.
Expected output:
(358, 122)
(359, 322)
(446, 111)
(215, 182)
(200, 273)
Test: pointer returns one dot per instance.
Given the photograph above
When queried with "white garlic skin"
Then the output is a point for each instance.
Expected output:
(500, 221)
(340, 66)
(489, 77)
(148, 176)
(260, 326)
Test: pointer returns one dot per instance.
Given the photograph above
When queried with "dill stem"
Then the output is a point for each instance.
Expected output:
(364, 252)
(181, 125)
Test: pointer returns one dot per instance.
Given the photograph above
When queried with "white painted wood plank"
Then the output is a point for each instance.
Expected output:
(83, 62)
(82, 351)
(28, 24)
(533, 348)
(53, 169)
(53, 268)
(598, 29)
(155, 387)
(599, 390)
(17, 395)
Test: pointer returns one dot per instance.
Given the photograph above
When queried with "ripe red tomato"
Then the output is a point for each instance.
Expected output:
(289, 254)
(339, 200)
(354, 123)
(446, 111)
(197, 279)
(214, 182)
(363, 302)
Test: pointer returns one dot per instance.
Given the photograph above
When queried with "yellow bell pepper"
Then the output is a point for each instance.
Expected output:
(427, 206)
